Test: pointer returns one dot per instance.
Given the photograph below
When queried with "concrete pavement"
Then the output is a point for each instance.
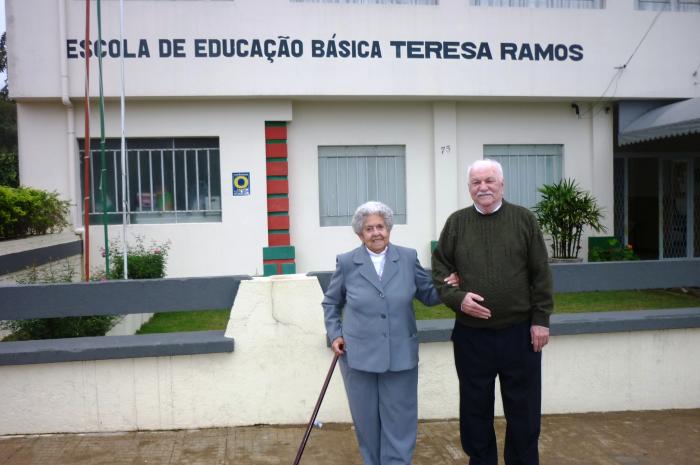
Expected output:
(670, 437)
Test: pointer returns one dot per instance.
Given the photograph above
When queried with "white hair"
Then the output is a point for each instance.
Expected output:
(486, 163)
(372, 208)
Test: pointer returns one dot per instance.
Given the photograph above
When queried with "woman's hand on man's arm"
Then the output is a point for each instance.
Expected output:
(452, 280)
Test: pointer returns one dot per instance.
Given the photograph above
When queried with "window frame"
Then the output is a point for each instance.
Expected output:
(513, 183)
(553, 4)
(152, 198)
(387, 186)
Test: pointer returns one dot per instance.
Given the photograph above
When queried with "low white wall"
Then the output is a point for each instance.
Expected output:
(62, 267)
(280, 360)
(59, 268)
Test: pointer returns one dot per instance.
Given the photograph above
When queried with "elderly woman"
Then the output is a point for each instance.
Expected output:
(370, 321)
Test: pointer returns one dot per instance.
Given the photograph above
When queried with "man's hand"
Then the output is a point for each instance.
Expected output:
(470, 306)
(539, 336)
(338, 345)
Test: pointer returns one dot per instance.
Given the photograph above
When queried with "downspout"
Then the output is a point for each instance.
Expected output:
(70, 120)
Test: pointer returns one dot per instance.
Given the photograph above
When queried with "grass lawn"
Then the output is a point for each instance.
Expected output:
(579, 302)
(173, 322)
(572, 302)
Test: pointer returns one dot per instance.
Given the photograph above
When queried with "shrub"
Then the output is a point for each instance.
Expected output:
(9, 169)
(612, 250)
(52, 328)
(145, 262)
(563, 212)
(25, 211)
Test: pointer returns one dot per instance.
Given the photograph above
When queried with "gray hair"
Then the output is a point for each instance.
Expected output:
(372, 208)
(486, 163)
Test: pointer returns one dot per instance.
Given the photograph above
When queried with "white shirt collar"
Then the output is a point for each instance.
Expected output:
(500, 204)
(378, 260)
(380, 254)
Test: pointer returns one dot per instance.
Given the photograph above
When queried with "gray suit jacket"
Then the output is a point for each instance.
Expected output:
(375, 317)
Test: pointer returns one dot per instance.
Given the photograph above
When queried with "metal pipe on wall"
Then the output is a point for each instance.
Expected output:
(73, 189)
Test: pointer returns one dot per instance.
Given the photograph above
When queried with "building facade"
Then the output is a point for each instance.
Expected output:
(253, 129)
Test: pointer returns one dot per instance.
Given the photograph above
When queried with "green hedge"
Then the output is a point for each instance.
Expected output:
(53, 328)
(145, 261)
(9, 169)
(609, 249)
(25, 211)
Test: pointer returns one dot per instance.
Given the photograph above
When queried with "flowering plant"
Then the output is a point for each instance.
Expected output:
(145, 262)
(611, 251)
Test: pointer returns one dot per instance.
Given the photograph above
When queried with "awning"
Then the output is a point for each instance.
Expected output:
(675, 119)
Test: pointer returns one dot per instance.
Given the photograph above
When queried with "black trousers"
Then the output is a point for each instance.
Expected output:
(480, 355)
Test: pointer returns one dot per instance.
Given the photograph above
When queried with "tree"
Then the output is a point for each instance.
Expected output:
(3, 64)
(9, 167)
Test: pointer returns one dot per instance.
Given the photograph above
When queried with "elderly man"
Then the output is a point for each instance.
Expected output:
(502, 316)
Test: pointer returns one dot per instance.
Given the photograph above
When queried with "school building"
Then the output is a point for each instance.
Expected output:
(253, 129)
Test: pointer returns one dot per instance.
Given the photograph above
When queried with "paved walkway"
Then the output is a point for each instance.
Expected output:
(627, 438)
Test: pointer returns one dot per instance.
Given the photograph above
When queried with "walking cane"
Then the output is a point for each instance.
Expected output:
(318, 406)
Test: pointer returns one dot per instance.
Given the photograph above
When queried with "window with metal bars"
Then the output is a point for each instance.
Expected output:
(668, 5)
(372, 2)
(349, 176)
(575, 4)
(168, 180)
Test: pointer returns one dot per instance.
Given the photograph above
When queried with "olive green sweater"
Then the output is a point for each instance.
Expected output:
(503, 258)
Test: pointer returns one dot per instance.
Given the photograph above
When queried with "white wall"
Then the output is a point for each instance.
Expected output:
(587, 141)
(350, 123)
(661, 67)
(431, 174)
(435, 179)
(233, 246)
(280, 361)
(42, 135)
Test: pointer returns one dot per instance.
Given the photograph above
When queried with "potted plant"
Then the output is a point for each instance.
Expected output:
(562, 212)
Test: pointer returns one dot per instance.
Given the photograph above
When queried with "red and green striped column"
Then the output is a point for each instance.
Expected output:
(278, 257)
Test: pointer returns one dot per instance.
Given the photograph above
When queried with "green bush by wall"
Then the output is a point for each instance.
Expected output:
(609, 249)
(53, 328)
(25, 212)
(145, 261)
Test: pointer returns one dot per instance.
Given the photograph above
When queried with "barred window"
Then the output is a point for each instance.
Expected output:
(349, 176)
(668, 5)
(169, 180)
(373, 2)
(576, 4)
(526, 168)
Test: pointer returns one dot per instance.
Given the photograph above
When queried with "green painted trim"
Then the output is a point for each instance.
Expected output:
(270, 124)
(276, 159)
(269, 269)
(277, 213)
(277, 196)
(277, 178)
(289, 268)
(276, 141)
(279, 231)
(278, 253)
